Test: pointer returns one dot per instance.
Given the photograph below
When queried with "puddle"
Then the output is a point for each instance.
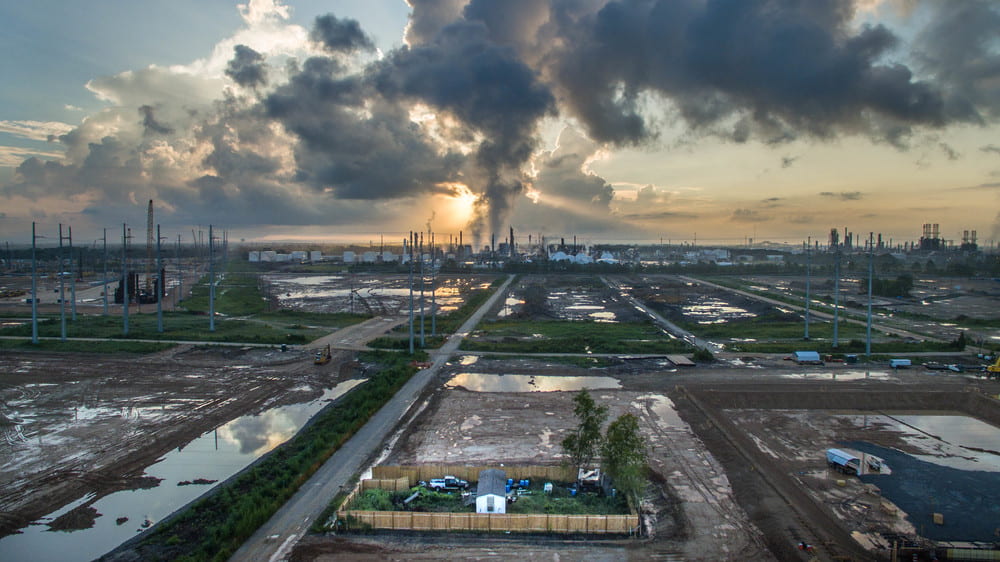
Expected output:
(339, 293)
(605, 316)
(216, 455)
(663, 407)
(841, 376)
(480, 382)
(959, 442)
(509, 307)
(468, 360)
(711, 310)
(969, 500)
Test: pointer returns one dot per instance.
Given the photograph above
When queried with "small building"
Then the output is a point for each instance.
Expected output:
(254, 257)
(491, 492)
(807, 358)
(315, 256)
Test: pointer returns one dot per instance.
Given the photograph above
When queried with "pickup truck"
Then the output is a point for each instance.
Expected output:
(447, 483)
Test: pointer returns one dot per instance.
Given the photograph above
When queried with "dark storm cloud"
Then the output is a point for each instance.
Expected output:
(787, 161)
(990, 148)
(150, 124)
(843, 195)
(488, 89)
(247, 67)
(340, 35)
(372, 154)
(561, 172)
(777, 67)
(959, 48)
(429, 17)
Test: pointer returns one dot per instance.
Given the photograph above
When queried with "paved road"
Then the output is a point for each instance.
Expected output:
(275, 539)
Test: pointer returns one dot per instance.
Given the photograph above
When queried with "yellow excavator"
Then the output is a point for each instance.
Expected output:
(323, 357)
(994, 369)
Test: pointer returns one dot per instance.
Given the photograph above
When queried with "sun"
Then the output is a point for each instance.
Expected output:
(457, 206)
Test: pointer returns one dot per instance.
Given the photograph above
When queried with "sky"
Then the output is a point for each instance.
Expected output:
(695, 121)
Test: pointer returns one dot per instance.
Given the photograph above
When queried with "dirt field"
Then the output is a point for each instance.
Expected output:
(711, 497)
(75, 424)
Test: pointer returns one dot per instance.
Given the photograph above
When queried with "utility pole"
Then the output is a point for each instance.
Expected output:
(836, 295)
(159, 283)
(411, 287)
(180, 274)
(34, 289)
(433, 288)
(62, 288)
(808, 274)
(420, 253)
(105, 281)
(125, 294)
(72, 279)
(871, 275)
(211, 280)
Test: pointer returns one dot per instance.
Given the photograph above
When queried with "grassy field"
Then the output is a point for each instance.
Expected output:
(559, 502)
(177, 326)
(555, 336)
(71, 346)
(241, 316)
(213, 528)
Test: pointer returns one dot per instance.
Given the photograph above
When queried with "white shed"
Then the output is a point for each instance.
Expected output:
(491, 492)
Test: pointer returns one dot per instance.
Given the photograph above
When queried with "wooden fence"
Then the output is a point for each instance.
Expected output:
(390, 484)
(487, 522)
(471, 473)
(398, 478)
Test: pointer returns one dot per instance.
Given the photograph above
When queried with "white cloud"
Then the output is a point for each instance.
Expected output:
(35, 130)
(13, 155)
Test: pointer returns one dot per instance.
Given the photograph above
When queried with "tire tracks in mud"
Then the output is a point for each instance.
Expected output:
(713, 519)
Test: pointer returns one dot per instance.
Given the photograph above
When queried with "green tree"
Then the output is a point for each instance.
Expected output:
(624, 457)
(585, 442)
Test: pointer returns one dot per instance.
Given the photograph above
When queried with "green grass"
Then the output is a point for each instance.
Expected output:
(242, 317)
(214, 527)
(557, 336)
(177, 326)
(559, 502)
(85, 346)
(851, 346)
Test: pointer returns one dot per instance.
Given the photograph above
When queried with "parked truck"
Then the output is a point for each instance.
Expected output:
(447, 483)
(849, 463)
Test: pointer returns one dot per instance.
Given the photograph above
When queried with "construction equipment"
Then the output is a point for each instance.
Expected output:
(994, 369)
(323, 357)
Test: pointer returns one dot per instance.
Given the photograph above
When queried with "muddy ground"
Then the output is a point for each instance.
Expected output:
(709, 498)
(81, 423)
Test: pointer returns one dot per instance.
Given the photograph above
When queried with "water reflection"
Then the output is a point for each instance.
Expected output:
(215, 456)
(481, 382)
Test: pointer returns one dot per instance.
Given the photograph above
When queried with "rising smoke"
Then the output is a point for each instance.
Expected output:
(315, 137)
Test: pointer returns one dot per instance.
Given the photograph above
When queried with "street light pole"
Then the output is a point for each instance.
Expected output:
(808, 273)
(72, 278)
(871, 275)
(105, 280)
(211, 280)
(159, 283)
(62, 289)
(34, 289)
(125, 294)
